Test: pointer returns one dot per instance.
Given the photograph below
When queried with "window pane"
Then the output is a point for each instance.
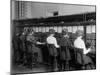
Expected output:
(47, 29)
(39, 29)
(93, 29)
(64, 27)
(89, 29)
(36, 29)
(43, 29)
(59, 29)
(74, 29)
(80, 28)
(55, 28)
(69, 29)
(51, 27)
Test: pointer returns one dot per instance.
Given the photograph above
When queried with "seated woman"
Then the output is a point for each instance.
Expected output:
(80, 44)
(32, 48)
(23, 46)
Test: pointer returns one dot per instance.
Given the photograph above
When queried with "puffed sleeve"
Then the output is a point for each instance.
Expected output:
(85, 51)
(55, 43)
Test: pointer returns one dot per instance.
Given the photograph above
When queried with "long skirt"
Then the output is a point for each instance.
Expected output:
(35, 53)
(52, 50)
(65, 53)
(86, 59)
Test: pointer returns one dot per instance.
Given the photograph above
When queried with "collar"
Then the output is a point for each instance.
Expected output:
(80, 37)
(66, 36)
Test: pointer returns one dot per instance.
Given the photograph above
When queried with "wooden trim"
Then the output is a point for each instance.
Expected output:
(83, 23)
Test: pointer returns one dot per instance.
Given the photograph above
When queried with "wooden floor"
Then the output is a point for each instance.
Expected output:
(40, 68)
(36, 69)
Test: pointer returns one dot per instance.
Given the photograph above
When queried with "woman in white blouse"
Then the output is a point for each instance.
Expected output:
(80, 44)
(51, 39)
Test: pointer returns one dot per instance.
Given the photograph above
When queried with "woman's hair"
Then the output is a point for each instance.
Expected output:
(88, 45)
(30, 30)
(51, 31)
(79, 33)
(65, 31)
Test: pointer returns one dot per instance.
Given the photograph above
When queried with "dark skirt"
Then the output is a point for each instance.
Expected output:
(86, 59)
(34, 51)
(52, 50)
(38, 51)
(65, 53)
